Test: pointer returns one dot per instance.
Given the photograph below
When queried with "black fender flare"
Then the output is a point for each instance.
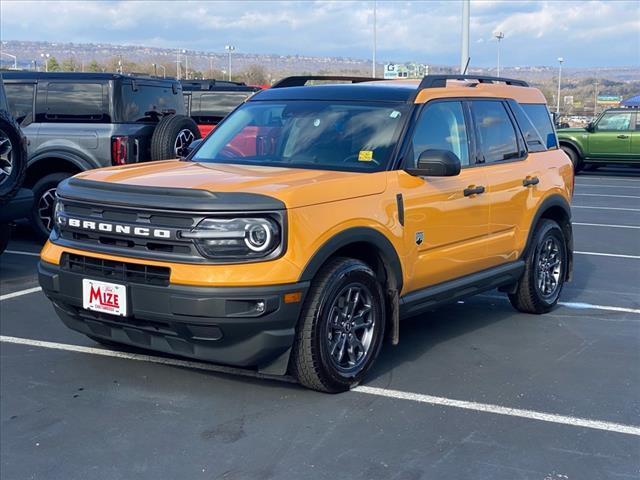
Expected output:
(554, 200)
(79, 161)
(355, 235)
(572, 143)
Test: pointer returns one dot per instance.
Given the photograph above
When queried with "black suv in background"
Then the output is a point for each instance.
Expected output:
(209, 101)
(79, 121)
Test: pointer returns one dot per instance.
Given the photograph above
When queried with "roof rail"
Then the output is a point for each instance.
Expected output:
(435, 81)
(301, 80)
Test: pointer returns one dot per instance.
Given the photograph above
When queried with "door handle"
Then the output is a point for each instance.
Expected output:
(623, 136)
(527, 182)
(471, 190)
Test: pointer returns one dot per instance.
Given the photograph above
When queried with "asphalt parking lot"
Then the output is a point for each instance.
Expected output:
(474, 390)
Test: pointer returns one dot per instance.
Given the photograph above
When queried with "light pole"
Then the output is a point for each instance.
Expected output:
(45, 59)
(211, 67)
(15, 59)
(178, 65)
(186, 65)
(560, 60)
(375, 37)
(164, 70)
(499, 36)
(464, 51)
(595, 97)
(229, 49)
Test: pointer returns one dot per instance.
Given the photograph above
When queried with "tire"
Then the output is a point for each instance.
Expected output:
(5, 235)
(43, 195)
(171, 137)
(574, 157)
(13, 158)
(530, 296)
(342, 287)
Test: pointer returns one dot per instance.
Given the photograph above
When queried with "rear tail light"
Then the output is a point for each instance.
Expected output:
(119, 150)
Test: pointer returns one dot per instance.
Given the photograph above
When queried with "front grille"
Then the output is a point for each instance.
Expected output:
(116, 271)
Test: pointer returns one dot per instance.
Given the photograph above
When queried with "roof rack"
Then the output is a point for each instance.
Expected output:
(435, 81)
(301, 80)
(209, 84)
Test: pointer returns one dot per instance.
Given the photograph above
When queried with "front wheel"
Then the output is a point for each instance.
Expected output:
(341, 328)
(539, 288)
(574, 157)
(44, 195)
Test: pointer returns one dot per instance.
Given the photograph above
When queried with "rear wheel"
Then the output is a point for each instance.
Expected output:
(13, 158)
(575, 158)
(539, 289)
(172, 136)
(44, 196)
(341, 328)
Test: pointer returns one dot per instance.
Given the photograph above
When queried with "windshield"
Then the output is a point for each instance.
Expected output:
(307, 134)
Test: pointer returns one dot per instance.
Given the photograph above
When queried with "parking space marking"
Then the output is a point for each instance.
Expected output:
(607, 208)
(604, 225)
(615, 255)
(577, 305)
(604, 195)
(499, 410)
(16, 252)
(143, 358)
(20, 293)
(595, 185)
(381, 392)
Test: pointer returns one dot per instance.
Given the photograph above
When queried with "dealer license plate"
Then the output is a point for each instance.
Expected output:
(104, 297)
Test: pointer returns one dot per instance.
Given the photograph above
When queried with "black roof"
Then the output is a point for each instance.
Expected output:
(28, 75)
(364, 91)
(216, 85)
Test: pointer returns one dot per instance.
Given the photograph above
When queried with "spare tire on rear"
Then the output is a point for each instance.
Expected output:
(172, 136)
(13, 157)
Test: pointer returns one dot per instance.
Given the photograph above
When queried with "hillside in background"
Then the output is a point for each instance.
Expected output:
(579, 85)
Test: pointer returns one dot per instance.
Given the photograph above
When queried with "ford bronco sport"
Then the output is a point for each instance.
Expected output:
(613, 138)
(295, 237)
(79, 121)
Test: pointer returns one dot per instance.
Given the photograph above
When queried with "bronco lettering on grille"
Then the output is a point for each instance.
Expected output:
(117, 228)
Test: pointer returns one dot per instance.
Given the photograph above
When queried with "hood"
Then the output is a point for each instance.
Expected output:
(296, 187)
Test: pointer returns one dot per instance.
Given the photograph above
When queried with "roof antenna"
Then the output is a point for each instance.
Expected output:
(466, 66)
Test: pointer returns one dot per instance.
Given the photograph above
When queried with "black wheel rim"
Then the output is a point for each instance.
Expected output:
(45, 208)
(351, 325)
(183, 140)
(549, 267)
(6, 157)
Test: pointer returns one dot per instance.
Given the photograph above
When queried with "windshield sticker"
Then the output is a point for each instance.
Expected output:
(394, 114)
(365, 156)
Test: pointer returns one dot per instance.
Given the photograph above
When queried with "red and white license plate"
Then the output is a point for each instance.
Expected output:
(104, 297)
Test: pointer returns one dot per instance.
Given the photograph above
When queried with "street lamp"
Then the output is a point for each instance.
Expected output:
(229, 49)
(45, 59)
(499, 36)
(560, 60)
(186, 65)
(15, 59)
(211, 67)
(375, 37)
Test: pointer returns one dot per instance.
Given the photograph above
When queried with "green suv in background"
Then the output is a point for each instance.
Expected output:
(614, 137)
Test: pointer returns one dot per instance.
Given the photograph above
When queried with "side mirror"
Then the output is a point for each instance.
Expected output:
(436, 163)
(590, 127)
(192, 146)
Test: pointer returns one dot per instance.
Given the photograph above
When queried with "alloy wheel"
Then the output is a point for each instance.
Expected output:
(350, 328)
(46, 203)
(6, 157)
(183, 140)
(549, 267)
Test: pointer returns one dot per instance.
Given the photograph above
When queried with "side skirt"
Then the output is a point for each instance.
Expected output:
(428, 298)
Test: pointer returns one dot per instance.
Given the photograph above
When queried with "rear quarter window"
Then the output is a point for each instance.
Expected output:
(85, 102)
(20, 99)
(541, 119)
(215, 106)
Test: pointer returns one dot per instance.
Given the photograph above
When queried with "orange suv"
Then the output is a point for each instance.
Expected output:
(297, 235)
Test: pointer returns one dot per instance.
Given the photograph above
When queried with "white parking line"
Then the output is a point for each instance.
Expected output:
(176, 362)
(615, 255)
(590, 306)
(604, 225)
(612, 179)
(16, 252)
(608, 208)
(604, 195)
(499, 410)
(595, 185)
(20, 293)
(380, 392)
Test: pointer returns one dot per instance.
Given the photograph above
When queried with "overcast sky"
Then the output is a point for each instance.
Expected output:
(594, 33)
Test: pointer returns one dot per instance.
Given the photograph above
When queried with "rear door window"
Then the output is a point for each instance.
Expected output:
(20, 98)
(67, 101)
(541, 119)
(497, 137)
(147, 103)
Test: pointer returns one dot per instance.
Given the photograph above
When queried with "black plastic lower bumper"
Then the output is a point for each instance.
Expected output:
(220, 325)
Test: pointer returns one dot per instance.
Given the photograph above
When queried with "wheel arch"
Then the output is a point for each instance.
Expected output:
(54, 162)
(556, 208)
(572, 144)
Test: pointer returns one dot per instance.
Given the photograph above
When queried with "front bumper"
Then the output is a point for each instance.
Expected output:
(213, 324)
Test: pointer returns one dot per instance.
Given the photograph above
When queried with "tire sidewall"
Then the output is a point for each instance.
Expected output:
(574, 157)
(546, 229)
(166, 132)
(354, 273)
(12, 184)
(41, 186)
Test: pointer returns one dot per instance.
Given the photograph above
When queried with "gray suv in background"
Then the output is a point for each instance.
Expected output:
(79, 121)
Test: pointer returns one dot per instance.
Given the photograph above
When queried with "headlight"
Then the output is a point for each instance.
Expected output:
(236, 238)
(58, 213)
